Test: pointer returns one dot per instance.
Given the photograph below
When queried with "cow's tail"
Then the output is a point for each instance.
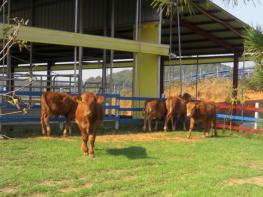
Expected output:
(44, 103)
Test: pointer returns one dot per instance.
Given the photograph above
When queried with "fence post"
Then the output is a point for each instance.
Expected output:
(256, 116)
(117, 113)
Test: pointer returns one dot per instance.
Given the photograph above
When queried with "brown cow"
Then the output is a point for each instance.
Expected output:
(187, 97)
(89, 116)
(153, 109)
(57, 103)
(202, 112)
(176, 108)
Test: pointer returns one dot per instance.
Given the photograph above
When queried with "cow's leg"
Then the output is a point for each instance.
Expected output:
(184, 121)
(167, 119)
(192, 123)
(46, 122)
(156, 124)
(145, 123)
(43, 125)
(67, 129)
(206, 129)
(173, 123)
(150, 123)
(92, 137)
(84, 136)
(214, 127)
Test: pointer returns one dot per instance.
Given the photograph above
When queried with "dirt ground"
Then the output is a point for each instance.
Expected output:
(252, 180)
(144, 137)
(156, 136)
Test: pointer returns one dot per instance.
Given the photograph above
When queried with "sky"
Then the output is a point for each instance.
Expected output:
(251, 13)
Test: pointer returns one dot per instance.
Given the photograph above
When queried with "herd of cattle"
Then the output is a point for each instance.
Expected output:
(87, 110)
(180, 109)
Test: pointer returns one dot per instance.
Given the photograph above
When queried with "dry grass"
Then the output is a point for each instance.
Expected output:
(218, 90)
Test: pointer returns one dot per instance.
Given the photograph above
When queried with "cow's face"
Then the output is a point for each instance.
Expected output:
(88, 103)
(191, 109)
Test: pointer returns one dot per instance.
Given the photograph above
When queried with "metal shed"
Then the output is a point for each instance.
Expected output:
(125, 27)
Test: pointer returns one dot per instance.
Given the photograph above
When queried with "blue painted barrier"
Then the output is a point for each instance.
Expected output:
(130, 109)
(241, 118)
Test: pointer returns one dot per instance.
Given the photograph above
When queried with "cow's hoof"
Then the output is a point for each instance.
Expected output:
(86, 154)
(92, 155)
(189, 137)
(206, 135)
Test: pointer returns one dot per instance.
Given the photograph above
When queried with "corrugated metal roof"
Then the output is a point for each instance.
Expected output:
(217, 25)
(59, 14)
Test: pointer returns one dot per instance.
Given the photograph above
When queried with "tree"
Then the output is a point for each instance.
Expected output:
(188, 4)
(254, 46)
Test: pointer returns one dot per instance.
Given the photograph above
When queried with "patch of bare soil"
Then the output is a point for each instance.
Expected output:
(257, 165)
(68, 189)
(52, 183)
(144, 137)
(252, 180)
(38, 195)
(7, 190)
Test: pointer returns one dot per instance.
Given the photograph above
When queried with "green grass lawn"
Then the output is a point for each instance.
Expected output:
(222, 166)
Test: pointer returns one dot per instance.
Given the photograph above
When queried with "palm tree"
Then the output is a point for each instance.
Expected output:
(254, 44)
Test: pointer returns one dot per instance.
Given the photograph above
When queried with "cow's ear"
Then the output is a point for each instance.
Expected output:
(100, 99)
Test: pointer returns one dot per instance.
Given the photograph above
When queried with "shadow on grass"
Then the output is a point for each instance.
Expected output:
(133, 152)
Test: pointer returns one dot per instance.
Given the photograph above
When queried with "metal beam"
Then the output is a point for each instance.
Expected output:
(235, 75)
(191, 41)
(49, 75)
(164, 33)
(71, 66)
(201, 60)
(207, 35)
(185, 61)
(47, 36)
(218, 20)
(191, 47)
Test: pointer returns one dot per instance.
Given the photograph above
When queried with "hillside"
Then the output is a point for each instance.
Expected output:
(122, 81)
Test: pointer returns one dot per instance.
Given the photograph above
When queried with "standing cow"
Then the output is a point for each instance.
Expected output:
(176, 109)
(153, 109)
(204, 113)
(89, 116)
(57, 103)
